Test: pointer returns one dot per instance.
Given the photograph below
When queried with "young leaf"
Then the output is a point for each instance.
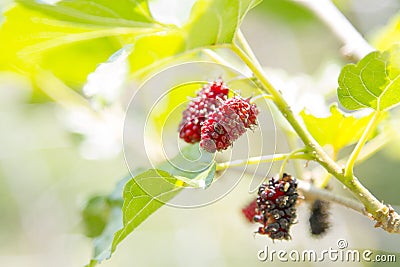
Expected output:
(215, 22)
(143, 195)
(388, 35)
(30, 37)
(372, 83)
(193, 166)
(102, 243)
(206, 26)
(99, 210)
(148, 191)
(130, 13)
(338, 129)
(95, 215)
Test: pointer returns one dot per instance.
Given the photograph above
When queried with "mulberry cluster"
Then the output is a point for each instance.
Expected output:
(208, 99)
(227, 124)
(215, 121)
(276, 207)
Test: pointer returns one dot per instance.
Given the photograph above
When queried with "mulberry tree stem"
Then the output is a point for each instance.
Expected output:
(385, 216)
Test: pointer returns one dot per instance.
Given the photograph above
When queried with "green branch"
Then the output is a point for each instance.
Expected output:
(311, 193)
(384, 215)
(284, 108)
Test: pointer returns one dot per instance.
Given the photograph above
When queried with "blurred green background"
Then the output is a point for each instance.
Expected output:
(50, 165)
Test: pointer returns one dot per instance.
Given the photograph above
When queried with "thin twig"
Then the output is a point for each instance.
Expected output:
(261, 159)
(289, 156)
(367, 132)
(311, 192)
(355, 47)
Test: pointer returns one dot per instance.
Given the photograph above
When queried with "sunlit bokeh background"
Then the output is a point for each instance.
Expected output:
(53, 158)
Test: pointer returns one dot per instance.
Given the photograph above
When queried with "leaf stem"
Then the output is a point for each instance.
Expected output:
(289, 156)
(216, 58)
(311, 192)
(261, 159)
(372, 147)
(246, 48)
(348, 172)
(291, 138)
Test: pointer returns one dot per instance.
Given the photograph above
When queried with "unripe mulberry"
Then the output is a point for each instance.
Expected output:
(227, 124)
(276, 210)
(208, 99)
(247, 112)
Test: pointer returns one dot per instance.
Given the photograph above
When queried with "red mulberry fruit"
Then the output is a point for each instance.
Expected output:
(276, 210)
(208, 99)
(227, 124)
(250, 211)
(246, 111)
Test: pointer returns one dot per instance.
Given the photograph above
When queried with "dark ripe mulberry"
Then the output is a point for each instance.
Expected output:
(227, 124)
(208, 99)
(276, 209)
(319, 218)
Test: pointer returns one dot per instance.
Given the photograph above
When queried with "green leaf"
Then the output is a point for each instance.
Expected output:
(92, 263)
(103, 240)
(113, 13)
(143, 195)
(102, 243)
(71, 38)
(193, 166)
(95, 215)
(389, 35)
(101, 12)
(97, 211)
(372, 83)
(208, 25)
(148, 191)
(338, 129)
(32, 35)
